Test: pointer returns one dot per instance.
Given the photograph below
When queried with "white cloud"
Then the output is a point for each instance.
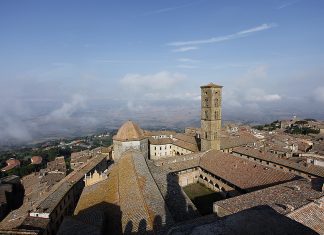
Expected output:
(186, 66)
(254, 75)
(257, 95)
(260, 71)
(287, 4)
(187, 60)
(184, 49)
(319, 94)
(240, 34)
(159, 82)
(15, 129)
(167, 9)
(67, 109)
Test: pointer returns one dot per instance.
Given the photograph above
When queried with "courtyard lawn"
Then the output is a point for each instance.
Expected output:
(202, 197)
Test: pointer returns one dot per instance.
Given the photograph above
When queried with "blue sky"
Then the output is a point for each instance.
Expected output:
(59, 57)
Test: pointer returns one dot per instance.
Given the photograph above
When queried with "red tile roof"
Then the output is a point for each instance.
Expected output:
(240, 172)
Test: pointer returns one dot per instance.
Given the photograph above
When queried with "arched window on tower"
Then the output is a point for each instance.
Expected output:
(206, 114)
(205, 135)
(216, 102)
(215, 115)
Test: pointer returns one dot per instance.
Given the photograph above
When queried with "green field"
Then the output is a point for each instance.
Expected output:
(202, 197)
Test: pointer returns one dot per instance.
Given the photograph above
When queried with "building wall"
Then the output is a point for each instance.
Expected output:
(158, 151)
(316, 162)
(211, 116)
(94, 178)
(66, 204)
(167, 150)
(198, 175)
(122, 146)
(189, 176)
(180, 151)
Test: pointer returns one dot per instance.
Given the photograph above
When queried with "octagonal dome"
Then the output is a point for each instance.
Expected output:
(129, 131)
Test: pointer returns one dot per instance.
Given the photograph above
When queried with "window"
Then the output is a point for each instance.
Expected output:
(216, 102)
(154, 148)
(206, 135)
(215, 115)
(170, 146)
(206, 114)
(160, 148)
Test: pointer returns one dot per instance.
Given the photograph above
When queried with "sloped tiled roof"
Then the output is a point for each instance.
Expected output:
(129, 131)
(211, 85)
(130, 177)
(266, 156)
(311, 215)
(241, 172)
(283, 197)
(161, 141)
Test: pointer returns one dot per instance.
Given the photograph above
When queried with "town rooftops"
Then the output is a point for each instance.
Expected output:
(186, 138)
(240, 172)
(47, 202)
(11, 163)
(256, 220)
(266, 156)
(159, 133)
(130, 177)
(311, 215)
(186, 145)
(129, 131)
(235, 141)
(283, 198)
(211, 85)
(36, 160)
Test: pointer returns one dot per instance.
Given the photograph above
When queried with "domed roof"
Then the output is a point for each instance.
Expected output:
(129, 131)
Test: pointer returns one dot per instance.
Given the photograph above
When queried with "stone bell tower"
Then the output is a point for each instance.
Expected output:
(211, 116)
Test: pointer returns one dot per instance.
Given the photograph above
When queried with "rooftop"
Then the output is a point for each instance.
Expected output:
(311, 215)
(266, 156)
(240, 172)
(130, 176)
(283, 198)
(161, 141)
(257, 220)
(129, 131)
(211, 85)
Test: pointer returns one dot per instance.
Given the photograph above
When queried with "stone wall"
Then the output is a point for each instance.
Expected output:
(198, 175)
(189, 176)
(121, 147)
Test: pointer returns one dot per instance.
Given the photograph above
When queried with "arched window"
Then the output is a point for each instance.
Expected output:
(206, 114)
(216, 102)
(205, 135)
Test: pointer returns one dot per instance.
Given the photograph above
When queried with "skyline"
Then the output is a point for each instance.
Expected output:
(75, 63)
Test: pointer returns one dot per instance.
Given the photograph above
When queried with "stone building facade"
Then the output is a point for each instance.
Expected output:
(129, 136)
(211, 115)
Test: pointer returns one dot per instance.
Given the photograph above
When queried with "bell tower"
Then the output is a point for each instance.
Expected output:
(211, 116)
